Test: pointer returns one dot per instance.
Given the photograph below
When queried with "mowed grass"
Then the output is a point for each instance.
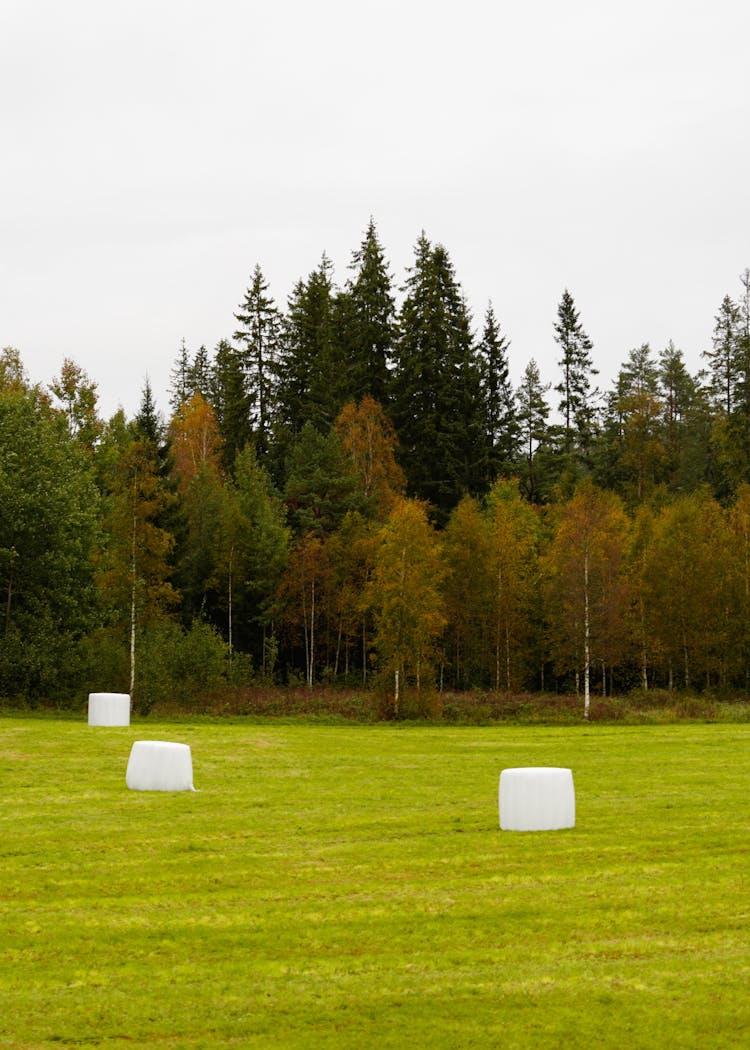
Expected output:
(348, 886)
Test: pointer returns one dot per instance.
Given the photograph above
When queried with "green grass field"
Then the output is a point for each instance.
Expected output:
(348, 886)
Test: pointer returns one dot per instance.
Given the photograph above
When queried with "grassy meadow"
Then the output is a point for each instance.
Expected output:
(348, 886)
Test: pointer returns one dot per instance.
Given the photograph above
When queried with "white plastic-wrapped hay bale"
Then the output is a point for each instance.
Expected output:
(158, 765)
(109, 709)
(537, 798)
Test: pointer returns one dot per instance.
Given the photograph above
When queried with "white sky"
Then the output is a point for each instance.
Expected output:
(151, 153)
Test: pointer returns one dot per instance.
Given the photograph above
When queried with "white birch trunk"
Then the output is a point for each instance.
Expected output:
(133, 585)
(312, 637)
(586, 638)
(229, 600)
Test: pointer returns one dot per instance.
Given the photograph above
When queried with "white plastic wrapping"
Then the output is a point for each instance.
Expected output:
(157, 765)
(537, 798)
(109, 709)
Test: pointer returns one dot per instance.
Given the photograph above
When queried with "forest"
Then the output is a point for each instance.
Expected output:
(350, 490)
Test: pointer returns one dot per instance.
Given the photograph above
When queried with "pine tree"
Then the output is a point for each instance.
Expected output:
(533, 411)
(686, 424)
(738, 428)
(723, 357)
(180, 389)
(148, 422)
(259, 335)
(199, 374)
(503, 430)
(231, 403)
(437, 401)
(577, 396)
(311, 377)
(366, 312)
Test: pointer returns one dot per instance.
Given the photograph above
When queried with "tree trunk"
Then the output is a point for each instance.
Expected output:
(133, 586)
(586, 638)
(10, 592)
(395, 694)
(364, 652)
(338, 650)
(312, 637)
(229, 601)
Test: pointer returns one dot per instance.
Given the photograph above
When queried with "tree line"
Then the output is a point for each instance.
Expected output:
(352, 490)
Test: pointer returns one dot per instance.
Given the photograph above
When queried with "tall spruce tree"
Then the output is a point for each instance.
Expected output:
(503, 431)
(311, 379)
(180, 390)
(259, 335)
(533, 411)
(437, 401)
(199, 373)
(576, 393)
(367, 310)
(723, 357)
(231, 403)
(148, 422)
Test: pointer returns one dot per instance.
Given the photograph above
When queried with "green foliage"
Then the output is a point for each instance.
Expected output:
(48, 529)
(575, 387)
(259, 335)
(437, 406)
(366, 321)
(312, 384)
(322, 486)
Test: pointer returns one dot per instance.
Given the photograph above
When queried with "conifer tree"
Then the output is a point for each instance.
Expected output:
(180, 389)
(231, 403)
(503, 429)
(148, 422)
(311, 379)
(199, 374)
(533, 411)
(259, 335)
(723, 357)
(437, 394)
(366, 312)
(576, 393)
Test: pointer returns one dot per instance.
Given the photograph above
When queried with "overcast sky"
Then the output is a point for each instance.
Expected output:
(151, 153)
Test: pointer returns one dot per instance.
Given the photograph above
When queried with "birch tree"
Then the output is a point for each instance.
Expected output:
(404, 595)
(134, 577)
(585, 597)
(513, 571)
(687, 587)
(468, 592)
